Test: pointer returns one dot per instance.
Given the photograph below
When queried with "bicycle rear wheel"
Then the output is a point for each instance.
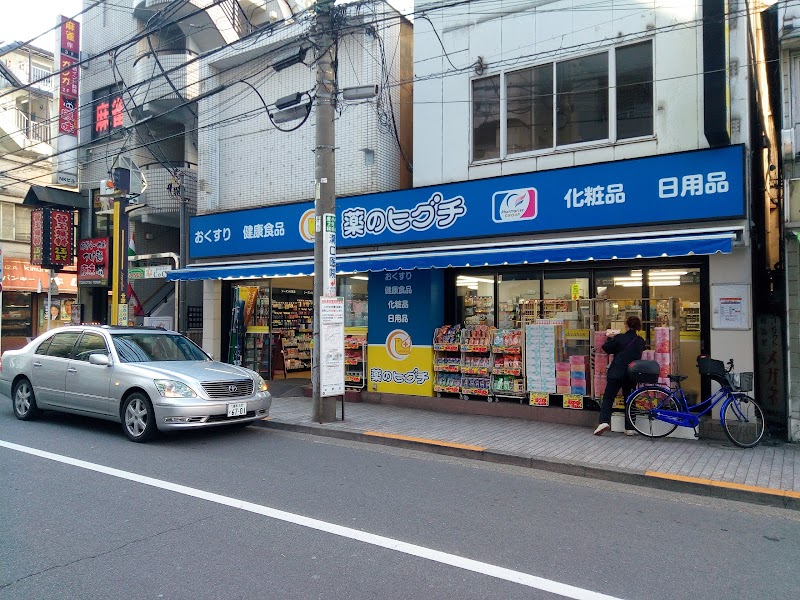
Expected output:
(639, 407)
(743, 420)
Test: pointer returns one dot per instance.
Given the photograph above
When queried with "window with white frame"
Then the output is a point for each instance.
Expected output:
(15, 222)
(603, 96)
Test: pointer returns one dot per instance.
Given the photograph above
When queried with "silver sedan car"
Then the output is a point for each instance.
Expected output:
(148, 379)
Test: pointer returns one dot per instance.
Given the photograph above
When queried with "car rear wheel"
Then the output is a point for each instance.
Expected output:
(25, 407)
(138, 418)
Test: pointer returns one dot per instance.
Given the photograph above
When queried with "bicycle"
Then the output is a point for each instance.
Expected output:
(656, 411)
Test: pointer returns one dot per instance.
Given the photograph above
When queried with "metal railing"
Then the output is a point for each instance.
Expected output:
(39, 132)
(241, 25)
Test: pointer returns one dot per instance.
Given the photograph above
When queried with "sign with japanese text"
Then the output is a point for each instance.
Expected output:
(670, 188)
(331, 346)
(405, 308)
(60, 238)
(93, 262)
(51, 238)
(108, 111)
(37, 236)
(65, 63)
(68, 77)
(152, 272)
(21, 276)
(329, 254)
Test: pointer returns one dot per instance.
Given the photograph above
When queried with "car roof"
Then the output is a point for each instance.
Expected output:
(123, 329)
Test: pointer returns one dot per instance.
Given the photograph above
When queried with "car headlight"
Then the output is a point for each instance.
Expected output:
(261, 385)
(174, 389)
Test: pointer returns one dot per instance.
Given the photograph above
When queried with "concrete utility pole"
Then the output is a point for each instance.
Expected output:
(325, 185)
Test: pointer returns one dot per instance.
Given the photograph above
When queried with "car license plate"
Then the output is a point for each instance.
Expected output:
(238, 409)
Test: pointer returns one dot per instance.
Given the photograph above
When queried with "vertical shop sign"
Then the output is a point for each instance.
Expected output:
(405, 308)
(770, 353)
(60, 238)
(51, 238)
(65, 63)
(331, 346)
(329, 254)
(37, 236)
(93, 261)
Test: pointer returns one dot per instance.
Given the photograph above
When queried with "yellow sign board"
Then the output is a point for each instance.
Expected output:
(538, 399)
(576, 334)
(573, 401)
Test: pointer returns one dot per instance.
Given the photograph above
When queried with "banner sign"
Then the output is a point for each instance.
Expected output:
(65, 170)
(331, 346)
(684, 187)
(93, 267)
(153, 272)
(51, 238)
(405, 308)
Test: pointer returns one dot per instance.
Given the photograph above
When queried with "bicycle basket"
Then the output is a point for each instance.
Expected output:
(709, 367)
(643, 371)
(714, 369)
(741, 382)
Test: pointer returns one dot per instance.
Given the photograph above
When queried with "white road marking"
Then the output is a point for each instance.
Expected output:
(540, 583)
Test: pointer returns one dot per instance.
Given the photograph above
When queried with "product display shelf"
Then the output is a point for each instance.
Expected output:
(355, 361)
(292, 317)
(508, 373)
(476, 362)
(258, 353)
(447, 360)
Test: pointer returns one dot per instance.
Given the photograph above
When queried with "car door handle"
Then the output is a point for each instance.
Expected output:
(37, 364)
(72, 370)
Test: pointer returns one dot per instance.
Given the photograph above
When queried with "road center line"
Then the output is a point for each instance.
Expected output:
(540, 583)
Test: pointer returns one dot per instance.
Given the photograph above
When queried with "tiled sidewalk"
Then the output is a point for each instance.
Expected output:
(769, 473)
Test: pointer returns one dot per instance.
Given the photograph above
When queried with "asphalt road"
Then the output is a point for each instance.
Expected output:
(256, 513)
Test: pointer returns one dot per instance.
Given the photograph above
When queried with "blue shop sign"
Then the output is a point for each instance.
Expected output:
(672, 188)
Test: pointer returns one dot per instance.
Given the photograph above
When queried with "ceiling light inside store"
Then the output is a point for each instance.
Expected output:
(470, 279)
(360, 277)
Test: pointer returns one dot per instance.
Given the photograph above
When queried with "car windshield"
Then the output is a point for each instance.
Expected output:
(155, 347)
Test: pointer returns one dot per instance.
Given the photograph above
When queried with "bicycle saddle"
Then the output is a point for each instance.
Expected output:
(677, 378)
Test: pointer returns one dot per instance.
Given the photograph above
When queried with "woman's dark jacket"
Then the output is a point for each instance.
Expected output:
(626, 347)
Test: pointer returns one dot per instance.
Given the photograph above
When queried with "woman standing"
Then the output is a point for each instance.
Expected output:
(626, 347)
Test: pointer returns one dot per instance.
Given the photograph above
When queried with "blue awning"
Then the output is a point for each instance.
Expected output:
(562, 252)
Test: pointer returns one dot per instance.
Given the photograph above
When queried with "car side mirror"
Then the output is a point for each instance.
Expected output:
(99, 359)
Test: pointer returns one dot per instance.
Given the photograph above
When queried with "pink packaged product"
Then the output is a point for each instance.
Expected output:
(578, 360)
(562, 366)
(649, 355)
(662, 339)
(563, 389)
(562, 381)
(600, 338)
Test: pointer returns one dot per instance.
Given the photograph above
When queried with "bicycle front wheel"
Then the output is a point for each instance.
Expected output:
(743, 420)
(640, 406)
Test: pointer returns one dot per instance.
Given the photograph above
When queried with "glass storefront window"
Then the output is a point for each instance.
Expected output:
(17, 313)
(475, 299)
(513, 290)
(353, 288)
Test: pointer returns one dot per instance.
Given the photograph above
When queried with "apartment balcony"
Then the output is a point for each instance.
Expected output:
(219, 22)
(154, 91)
(164, 194)
(22, 134)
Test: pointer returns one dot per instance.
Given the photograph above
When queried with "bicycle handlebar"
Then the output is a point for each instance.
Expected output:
(730, 366)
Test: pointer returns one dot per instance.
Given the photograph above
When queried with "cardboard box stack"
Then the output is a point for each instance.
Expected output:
(577, 374)
(540, 355)
(663, 352)
(601, 362)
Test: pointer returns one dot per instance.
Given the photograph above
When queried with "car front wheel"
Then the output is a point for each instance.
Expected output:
(138, 418)
(25, 407)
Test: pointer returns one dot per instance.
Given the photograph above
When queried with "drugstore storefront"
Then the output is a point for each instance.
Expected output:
(503, 288)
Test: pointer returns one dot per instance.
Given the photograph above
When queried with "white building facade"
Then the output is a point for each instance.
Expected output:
(546, 89)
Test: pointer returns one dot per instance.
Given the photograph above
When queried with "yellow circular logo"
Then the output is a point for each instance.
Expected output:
(307, 226)
(398, 344)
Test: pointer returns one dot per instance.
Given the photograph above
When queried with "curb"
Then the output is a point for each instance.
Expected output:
(662, 481)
